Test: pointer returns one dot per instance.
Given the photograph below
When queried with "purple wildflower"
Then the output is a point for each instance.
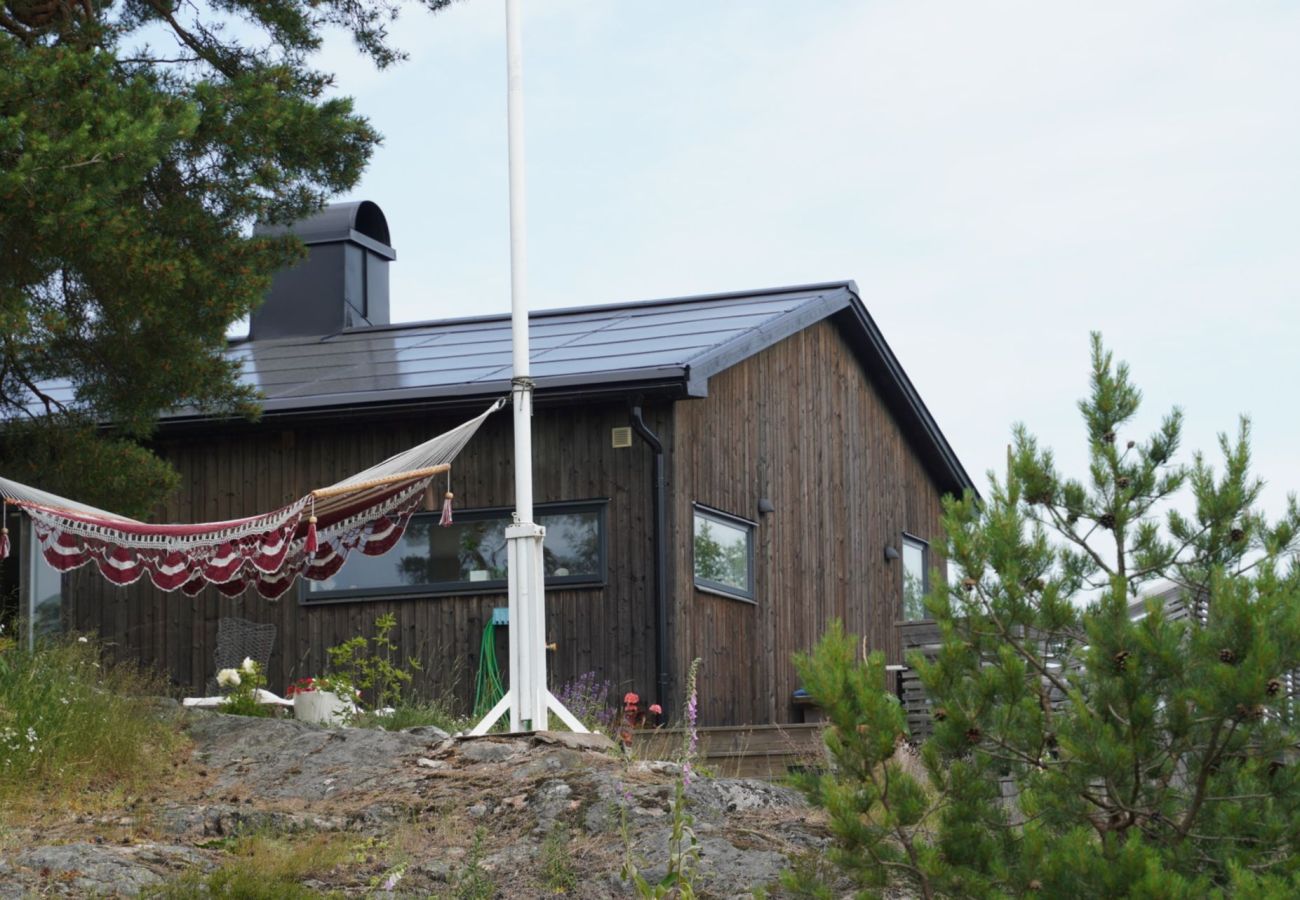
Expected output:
(692, 717)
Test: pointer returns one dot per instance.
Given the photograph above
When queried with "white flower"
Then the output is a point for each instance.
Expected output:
(228, 678)
(83, 640)
(248, 666)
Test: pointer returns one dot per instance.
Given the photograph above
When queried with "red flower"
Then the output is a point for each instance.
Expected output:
(656, 709)
(301, 686)
(630, 699)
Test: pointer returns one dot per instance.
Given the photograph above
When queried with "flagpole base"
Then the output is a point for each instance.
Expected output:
(527, 699)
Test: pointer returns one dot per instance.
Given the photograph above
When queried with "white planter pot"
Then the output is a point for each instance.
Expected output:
(322, 707)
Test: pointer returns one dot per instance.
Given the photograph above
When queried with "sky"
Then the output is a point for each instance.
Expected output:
(999, 178)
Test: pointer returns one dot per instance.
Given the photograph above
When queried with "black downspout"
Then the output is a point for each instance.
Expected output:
(661, 556)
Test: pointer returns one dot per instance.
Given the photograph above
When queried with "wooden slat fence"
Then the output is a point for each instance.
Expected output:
(740, 751)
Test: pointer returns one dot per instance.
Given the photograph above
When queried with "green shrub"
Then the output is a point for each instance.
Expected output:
(368, 666)
(69, 722)
(243, 684)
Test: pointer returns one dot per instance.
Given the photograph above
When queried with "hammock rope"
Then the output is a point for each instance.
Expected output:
(310, 537)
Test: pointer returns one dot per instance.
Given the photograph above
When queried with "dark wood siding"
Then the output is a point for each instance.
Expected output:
(246, 469)
(799, 424)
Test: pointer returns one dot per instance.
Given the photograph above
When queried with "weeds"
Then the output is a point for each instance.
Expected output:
(437, 713)
(69, 723)
(558, 874)
(264, 866)
(683, 847)
(472, 881)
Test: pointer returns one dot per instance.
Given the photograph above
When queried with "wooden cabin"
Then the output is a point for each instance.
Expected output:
(720, 476)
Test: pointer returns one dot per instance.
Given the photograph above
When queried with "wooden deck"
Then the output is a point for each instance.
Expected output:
(740, 751)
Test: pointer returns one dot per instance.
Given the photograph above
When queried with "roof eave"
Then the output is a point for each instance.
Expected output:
(938, 452)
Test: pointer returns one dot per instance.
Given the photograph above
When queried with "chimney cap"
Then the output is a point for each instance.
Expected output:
(360, 221)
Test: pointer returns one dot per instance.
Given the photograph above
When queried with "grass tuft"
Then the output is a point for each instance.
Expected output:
(69, 724)
(430, 712)
(264, 866)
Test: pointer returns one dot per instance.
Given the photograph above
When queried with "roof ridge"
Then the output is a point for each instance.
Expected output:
(608, 307)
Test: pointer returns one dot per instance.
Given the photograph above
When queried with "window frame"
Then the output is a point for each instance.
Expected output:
(600, 506)
(909, 538)
(750, 527)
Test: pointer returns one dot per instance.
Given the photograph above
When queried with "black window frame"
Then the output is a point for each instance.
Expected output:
(909, 538)
(750, 594)
(600, 506)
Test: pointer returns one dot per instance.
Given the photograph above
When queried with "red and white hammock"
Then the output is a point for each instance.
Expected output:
(310, 537)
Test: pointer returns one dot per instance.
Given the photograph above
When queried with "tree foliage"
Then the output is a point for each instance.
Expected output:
(1086, 743)
(139, 139)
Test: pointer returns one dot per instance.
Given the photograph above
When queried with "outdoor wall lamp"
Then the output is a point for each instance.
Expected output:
(891, 553)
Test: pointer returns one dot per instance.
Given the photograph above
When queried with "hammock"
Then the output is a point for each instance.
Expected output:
(310, 537)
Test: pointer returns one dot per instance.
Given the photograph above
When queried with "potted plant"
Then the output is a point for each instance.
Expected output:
(324, 701)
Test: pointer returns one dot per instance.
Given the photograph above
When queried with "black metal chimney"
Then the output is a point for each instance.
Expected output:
(343, 282)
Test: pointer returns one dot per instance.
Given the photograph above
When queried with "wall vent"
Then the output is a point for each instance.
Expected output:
(621, 437)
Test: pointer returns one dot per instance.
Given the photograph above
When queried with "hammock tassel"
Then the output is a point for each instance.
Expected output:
(312, 544)
(445, 521)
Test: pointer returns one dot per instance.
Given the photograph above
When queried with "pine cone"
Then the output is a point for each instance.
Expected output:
(1121, 660)
(1236, 535)
(1035, 885)
(1227, 656)
(1106, 521)
(1123, 481)
(968, 583)
(1109, 437)
(973, 735)
(939, 714)
(1274, 687)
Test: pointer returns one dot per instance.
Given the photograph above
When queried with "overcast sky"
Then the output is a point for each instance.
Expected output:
(998, 177)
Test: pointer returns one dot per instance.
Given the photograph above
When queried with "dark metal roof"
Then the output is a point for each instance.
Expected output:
(672, 345)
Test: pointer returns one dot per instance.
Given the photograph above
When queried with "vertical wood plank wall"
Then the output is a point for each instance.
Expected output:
(799, 424)
(246, 469)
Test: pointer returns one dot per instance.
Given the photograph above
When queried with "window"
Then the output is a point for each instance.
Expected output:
(724, 553)
(469, 557)
(916, 579)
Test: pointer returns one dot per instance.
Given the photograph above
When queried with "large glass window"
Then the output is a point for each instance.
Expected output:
(724, 553)
(916, 565)
(44, 592)
(470, 556)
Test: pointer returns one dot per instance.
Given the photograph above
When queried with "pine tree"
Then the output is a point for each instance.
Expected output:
(139, 140)
(1087, 744)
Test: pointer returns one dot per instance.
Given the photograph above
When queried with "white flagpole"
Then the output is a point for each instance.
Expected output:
(527, 699)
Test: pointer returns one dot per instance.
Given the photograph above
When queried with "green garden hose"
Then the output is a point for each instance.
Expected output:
(487, 684)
